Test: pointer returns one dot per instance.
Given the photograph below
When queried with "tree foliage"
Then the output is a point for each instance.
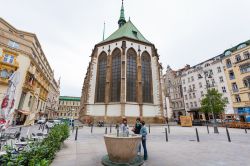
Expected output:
(213, 102)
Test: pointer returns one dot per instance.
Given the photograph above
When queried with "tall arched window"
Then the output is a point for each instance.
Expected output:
(101, 77)
(146, 78)
(131, 75)
(116, 76)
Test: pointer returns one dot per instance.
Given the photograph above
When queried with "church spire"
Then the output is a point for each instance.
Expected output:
(122, 19)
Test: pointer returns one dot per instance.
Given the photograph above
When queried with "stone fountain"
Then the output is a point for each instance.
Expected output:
(122, 150)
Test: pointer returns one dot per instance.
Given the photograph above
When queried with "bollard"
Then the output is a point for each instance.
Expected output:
(168, 129)
(110, 130)
(207, 129)
(228, 136)
(166, 132)
(246, 130)
(43, 128)
(106, 130)
(92, 129)
(117, 132)
(197, 135)
(149, 128)
(20, 129)
(76, 133)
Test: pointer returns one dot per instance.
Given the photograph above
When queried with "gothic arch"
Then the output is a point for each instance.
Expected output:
(131, 75)
(115, 89)
(101, 77)
(146, 78)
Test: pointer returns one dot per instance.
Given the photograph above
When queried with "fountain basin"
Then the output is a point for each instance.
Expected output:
(122, 150)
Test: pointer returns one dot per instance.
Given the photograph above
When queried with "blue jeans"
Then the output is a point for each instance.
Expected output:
(145, 149)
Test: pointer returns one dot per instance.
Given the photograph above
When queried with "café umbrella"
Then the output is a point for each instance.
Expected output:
(7, 106)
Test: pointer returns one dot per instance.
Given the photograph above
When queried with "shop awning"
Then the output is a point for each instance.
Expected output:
(24, 112)
(194, 110)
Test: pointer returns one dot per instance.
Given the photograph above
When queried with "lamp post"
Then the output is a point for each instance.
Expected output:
(210, 102)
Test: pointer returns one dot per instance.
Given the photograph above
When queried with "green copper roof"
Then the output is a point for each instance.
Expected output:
(69, 98)
(235, 47)
(122, 15)
(127, 30)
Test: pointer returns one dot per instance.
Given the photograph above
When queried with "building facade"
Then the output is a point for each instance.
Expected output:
(198, 79)
(237, 69)
(21, 52)
(69, 107)
(123, 79)
(52, 102)
(173, 87)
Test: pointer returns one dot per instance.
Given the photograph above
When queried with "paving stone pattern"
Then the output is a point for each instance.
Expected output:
(181, 150)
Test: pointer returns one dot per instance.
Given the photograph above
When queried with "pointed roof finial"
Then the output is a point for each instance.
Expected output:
(122, 19)
(103, 35)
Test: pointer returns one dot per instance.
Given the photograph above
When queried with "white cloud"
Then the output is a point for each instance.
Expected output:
(185, 32)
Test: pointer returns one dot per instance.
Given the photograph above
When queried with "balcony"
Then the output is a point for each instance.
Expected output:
(231, 77)
(4, 81)
(235, 90)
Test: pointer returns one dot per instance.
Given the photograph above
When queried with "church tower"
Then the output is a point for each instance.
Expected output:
(123, 79)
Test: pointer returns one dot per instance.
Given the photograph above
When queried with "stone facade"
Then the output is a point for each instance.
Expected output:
(52, 103)
(173, 90)
(69, 107)
(21, 51)
(113, 112)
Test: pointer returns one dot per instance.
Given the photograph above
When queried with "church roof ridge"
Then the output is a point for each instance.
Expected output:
(127, 30)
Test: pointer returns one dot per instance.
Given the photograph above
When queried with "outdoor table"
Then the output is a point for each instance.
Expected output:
(21, 143)
(3, 153)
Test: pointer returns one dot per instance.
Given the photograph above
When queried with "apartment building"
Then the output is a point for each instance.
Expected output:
(174, 93)
(237, 70)
(21, 52)
(198, 79)
(69, 107)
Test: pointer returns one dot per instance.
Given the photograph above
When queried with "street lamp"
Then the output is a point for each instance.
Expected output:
(210, 102)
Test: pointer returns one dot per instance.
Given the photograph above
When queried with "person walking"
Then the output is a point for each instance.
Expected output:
(144, 133)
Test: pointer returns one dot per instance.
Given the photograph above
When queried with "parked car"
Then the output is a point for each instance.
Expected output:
(41, 121)
(57, 122)
(100, 123)
(49, 124)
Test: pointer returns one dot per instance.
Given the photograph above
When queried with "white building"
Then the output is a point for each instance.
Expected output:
(123, 78)
(174, 93)
(194, 86)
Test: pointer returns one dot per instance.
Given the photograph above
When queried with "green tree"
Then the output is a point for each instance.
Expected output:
(213, 102)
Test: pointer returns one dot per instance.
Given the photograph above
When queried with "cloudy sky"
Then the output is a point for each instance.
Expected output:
(184, 31)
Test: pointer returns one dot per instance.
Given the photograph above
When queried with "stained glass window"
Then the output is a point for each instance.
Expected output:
(131, 75)
(101, 77)
(146, 77)
(116, 76)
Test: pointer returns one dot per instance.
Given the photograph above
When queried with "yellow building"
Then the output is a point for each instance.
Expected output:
(237, 69)
(21, 51)
(69, 107)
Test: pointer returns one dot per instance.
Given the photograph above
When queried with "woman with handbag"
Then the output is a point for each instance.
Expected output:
(144, 133)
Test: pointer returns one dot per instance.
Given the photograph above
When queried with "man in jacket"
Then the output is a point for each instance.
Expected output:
(144, 133)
